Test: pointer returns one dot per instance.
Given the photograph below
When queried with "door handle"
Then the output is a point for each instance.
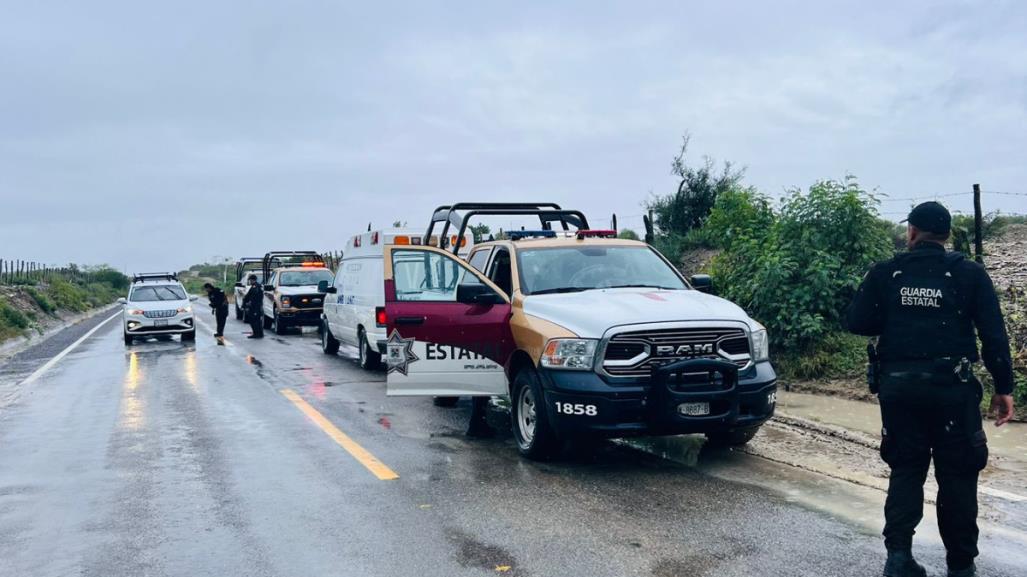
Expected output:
(409, 320)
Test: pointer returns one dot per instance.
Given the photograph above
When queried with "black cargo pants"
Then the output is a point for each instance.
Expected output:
(939, 416)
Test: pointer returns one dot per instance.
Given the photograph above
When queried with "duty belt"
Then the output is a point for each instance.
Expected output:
(961, 368)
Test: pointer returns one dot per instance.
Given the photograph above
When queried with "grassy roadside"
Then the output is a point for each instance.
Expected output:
(32, 306)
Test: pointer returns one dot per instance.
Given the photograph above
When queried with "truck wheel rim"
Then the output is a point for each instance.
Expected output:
(526, 414)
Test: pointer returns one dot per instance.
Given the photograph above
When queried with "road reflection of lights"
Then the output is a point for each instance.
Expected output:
(190, 370)
(317, 383)
(133, 414)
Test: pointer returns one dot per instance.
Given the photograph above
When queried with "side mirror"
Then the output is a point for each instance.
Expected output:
(477, 294)
(122, 301)
(239, 285)
(322, 286)
(702, 283)
(194, 298)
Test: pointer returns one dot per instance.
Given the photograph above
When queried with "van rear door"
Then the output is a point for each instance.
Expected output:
(448, 326)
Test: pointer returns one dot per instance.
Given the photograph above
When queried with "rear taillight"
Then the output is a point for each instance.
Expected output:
(379, 316)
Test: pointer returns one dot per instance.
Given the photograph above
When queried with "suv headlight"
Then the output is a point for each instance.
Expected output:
(185, 309)
(760, 345)
(572, 354)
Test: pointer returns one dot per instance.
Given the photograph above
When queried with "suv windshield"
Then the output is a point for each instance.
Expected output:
(143, 294)
(578, 268)
(305, 277)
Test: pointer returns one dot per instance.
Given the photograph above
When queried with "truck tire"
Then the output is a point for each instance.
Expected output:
(733, 438)
(535, 436)
(370, 360)
(189, 336)
(129, 339)
(267, 321)
(445, 401)
(329, 344)
(279, 325)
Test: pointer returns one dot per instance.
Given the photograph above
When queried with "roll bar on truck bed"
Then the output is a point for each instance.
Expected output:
(547, 212)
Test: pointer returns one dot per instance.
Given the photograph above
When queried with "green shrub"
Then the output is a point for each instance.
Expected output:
(836, 355)
(799, 277)
(42, 301)
(627, 233)
(68, 296)
(12, 319)
(739, 213)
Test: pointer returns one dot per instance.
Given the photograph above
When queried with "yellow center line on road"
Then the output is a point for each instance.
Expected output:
(369, 461)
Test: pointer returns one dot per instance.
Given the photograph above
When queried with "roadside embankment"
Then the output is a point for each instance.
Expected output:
(29, 312)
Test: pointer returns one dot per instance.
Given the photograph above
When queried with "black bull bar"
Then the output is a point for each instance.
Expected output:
(693, 381)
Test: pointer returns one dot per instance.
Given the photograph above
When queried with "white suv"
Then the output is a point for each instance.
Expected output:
(158, 304)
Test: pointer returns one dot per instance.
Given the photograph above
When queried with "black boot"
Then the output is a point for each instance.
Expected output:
(902, 564)
(480, 429)
(970, 571)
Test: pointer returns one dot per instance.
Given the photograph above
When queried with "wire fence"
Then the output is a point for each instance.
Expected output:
(22, 272)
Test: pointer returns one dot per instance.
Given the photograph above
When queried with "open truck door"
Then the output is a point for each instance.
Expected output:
(448, 326)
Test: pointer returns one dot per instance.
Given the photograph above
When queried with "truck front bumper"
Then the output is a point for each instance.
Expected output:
(623, 410)
(300, 317)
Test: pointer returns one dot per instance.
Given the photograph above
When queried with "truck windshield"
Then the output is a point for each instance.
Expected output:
(145, 294)
(305, 277)
(580, 268)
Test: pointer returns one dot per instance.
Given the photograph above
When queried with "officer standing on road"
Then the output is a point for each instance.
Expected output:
(924, 304)
(219, 307)
(253, 304)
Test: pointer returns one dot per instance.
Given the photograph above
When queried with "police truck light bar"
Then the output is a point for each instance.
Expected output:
(597, 234)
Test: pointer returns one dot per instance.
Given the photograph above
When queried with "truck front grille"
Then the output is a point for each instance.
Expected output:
(636, 353)
(314, 301)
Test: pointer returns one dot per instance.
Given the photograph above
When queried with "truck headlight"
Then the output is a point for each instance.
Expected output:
(573, 354)
(286, 301)
(760, 345)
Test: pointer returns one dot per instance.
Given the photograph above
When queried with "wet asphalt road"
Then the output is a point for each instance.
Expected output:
(167, 458)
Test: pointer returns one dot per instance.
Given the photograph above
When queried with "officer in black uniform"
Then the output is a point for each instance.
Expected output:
(219, 308)
(924, 305)
(253, 303)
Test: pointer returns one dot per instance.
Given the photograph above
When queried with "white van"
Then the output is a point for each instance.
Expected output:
(354, 304)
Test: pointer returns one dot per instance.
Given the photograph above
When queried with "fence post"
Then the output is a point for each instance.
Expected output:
(978, 226)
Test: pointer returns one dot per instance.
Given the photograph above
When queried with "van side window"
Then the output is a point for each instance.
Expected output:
(499, 271)
(479, 258)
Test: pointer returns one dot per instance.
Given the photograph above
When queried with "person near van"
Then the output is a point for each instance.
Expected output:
(253, 305)
(219, 307)
(928, 307)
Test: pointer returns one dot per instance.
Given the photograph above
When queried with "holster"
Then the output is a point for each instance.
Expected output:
(873, 369)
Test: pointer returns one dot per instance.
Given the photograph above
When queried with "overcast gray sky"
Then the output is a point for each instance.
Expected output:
(155, 135)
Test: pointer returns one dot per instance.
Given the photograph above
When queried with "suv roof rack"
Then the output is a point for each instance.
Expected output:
(279, 258)
(547, 212)
(145, 276)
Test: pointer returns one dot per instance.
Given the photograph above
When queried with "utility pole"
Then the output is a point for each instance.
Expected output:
(978, 226)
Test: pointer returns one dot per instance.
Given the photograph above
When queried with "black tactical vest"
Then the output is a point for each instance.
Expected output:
(926, 316)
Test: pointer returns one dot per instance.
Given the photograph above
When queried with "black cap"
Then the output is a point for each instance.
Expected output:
(252, 277)
(931, 217)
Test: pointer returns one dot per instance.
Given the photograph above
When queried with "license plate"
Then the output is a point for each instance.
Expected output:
(160, 323)
(694, 409)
